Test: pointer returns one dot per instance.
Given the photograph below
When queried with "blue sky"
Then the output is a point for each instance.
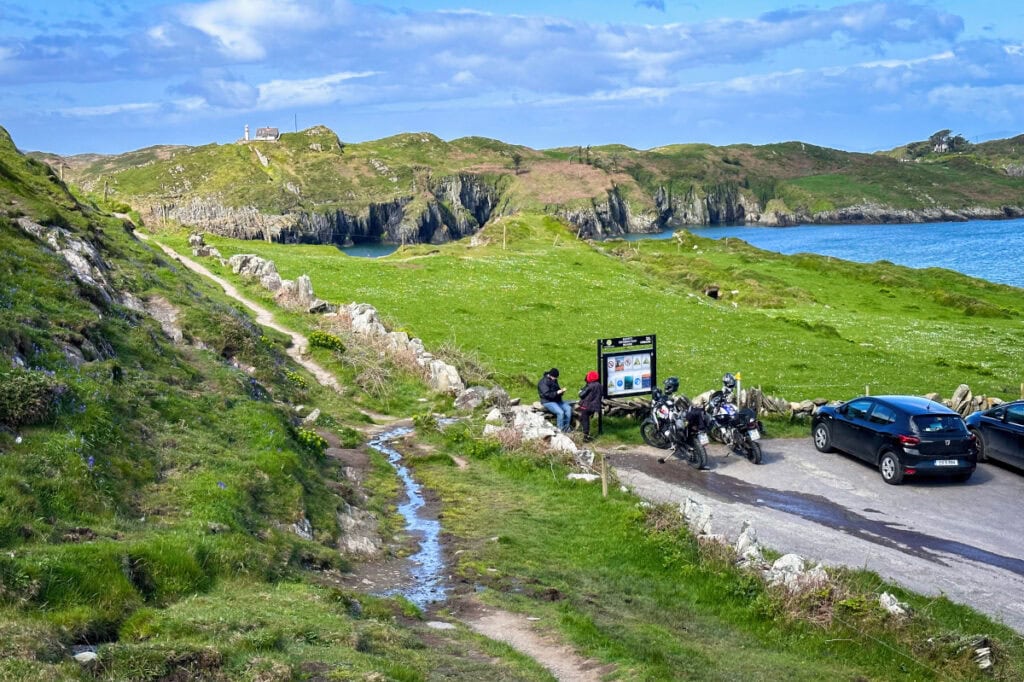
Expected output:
(112, 76)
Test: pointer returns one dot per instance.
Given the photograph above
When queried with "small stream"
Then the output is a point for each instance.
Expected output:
(427, 563)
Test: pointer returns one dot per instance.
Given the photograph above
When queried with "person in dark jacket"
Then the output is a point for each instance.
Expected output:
(551, 398)
(590, 403)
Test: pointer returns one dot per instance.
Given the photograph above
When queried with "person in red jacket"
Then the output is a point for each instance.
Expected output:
(590, 403)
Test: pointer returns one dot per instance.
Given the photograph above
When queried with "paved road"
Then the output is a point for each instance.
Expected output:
(965, 541)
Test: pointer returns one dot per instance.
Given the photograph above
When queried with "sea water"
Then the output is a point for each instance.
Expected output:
(988, 249)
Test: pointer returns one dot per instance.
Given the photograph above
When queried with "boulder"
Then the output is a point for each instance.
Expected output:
(791, 572)
(471, 398)
(444, 378)
(320, 307)
(272, 282)
(893, 605)
(962, 398)
(698, 516)
(560, 442)
(747, 547)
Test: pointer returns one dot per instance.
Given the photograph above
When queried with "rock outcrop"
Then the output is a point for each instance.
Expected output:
(454, 207)
(83, 258)
(297, 294)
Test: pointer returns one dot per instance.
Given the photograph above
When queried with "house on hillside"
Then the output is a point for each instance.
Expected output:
(267, 135)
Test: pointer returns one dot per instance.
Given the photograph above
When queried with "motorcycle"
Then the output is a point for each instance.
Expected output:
(655, 429)
(738, 429)
(688, 433)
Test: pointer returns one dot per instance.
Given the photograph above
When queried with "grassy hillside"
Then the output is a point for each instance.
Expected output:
(313, 170)
(149, 488)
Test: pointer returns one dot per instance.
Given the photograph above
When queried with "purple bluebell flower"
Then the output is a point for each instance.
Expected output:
(221, 485)
(90, 462)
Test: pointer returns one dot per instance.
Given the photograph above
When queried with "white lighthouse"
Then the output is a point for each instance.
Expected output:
(246, 138)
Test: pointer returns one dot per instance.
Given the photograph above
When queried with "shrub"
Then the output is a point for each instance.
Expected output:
(425, 423)
(27, 397)
(295, 378)
(311, 440)
(319, 339)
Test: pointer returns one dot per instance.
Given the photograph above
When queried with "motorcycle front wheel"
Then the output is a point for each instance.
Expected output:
(717, 433)
(651, 435)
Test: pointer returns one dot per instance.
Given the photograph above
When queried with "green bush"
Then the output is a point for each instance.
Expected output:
(295, 378)
(319, 339)
(311, 440)
(425, 423)
(27, 397)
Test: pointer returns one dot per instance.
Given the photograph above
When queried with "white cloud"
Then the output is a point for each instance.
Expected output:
(276, 94)
(159, 35)
(110, 109)
(901, 63)
(243, 27)
(1001, 101)
(186, 105)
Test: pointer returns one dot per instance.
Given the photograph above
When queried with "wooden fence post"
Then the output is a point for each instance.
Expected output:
(604, 477)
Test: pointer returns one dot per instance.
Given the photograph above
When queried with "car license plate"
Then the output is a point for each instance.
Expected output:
(702, 438)
(755, 434)
(946, 462)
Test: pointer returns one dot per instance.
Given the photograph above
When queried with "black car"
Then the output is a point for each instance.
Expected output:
(1000, 433)
(902, 435)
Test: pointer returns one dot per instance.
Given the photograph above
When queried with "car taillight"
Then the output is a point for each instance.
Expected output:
(909, 440)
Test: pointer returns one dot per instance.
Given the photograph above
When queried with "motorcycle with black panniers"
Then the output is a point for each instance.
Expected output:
(677, 424)
(739, 429)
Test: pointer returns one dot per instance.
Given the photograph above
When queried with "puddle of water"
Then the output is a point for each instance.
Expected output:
(427, 563)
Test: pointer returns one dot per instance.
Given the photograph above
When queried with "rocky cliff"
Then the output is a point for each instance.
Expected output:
(615, 216)
(453, 208)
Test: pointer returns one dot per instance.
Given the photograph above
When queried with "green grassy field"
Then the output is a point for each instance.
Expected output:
(800, 327)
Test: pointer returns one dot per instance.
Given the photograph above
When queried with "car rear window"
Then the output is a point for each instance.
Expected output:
(939, 423)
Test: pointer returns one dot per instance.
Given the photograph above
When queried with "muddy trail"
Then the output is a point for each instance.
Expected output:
(421, 577)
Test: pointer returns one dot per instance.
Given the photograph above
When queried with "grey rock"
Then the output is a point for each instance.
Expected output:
(471, 398)
(303, 528)
(892, 605)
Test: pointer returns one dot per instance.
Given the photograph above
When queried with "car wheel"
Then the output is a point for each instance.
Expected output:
(822, 437)
(982, 457)
(891, 468)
